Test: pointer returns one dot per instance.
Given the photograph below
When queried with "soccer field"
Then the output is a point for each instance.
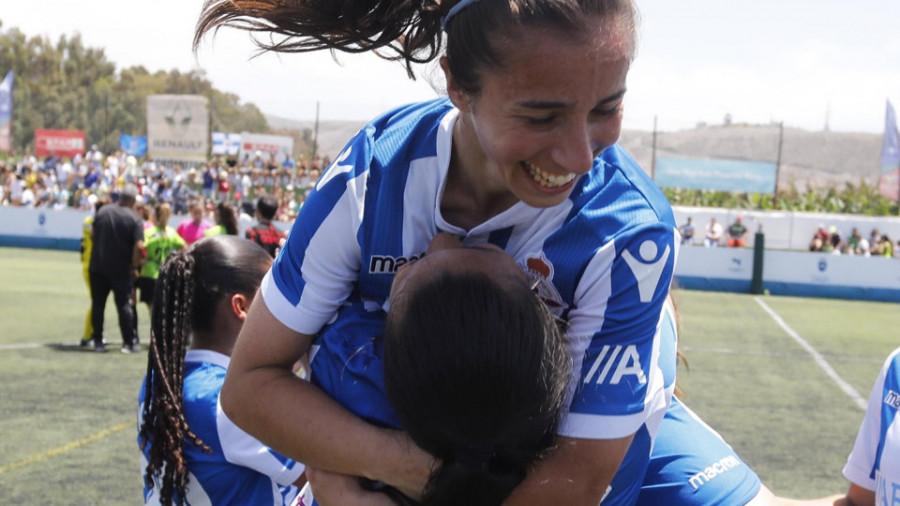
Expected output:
(782, 380)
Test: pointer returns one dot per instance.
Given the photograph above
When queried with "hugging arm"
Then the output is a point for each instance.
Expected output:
(263, 396)
(576, 472)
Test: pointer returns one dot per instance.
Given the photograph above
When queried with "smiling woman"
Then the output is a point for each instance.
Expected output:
(521, 155)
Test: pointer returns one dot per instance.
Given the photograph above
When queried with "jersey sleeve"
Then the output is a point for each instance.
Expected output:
(861, 464)
(614, 334)
(245, 450)
(319, 264)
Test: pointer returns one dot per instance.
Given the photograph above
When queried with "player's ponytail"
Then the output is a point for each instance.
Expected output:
(163, 212)
(408, 30)
(164, 427)
(482, 392)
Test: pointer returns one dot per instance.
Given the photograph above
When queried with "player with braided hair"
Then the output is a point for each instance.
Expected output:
(191, 453)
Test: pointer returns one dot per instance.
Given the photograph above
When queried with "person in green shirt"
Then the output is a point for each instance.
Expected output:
(159, 241)
(226, 221)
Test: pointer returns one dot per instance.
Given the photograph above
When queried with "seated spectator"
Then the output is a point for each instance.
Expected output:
(834, 240)
(887, 247)
(687, 232)
(819, 239)
(263, 232)
(736, 233)
(864, 248)
(713, 234)
(853, 241)
(190, 452)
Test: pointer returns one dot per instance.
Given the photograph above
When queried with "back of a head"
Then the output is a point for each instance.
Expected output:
(163, 212)
(476, 372)
(266, 206)
(213, 267)
(227, 217)
(191, 283)
(128, 195)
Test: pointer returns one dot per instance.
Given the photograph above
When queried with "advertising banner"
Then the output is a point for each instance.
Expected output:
(279, 145)
(133, 145)
(226, 144)
(6, 103)
(724, 175)
(62, 143)
(178, 128)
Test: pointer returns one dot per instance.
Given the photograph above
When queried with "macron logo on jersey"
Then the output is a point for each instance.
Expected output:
(388, 265)
(703, 477)
(621, 361)
(645, 269)
(892, 399)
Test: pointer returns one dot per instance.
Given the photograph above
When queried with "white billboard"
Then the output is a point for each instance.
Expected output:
(178, 127)
(279, 145)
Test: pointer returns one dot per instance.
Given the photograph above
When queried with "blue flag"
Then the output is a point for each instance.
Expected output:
(6, 103)
(889, 182)
(132, 145)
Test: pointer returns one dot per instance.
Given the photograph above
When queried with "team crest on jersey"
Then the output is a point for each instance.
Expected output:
(539, 272)
(647, 267)
(335, 169)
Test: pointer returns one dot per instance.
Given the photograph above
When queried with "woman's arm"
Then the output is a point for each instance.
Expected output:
(577, 472)
(263, 396)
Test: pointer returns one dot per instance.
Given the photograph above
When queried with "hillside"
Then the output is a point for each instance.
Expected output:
(822, 159)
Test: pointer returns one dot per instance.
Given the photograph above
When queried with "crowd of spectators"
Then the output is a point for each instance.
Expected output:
(61, 183)
(830, 241)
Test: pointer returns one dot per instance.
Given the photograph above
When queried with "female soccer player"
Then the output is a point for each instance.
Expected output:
(521, 155)
(226, 220)
(451, 328)
(873, 466)
(159, 241)
(475, 368)
(190, 454)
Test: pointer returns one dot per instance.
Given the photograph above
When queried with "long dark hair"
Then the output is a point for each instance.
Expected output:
(227, 214)
(191, 283)
(406, 30)
(476, 371)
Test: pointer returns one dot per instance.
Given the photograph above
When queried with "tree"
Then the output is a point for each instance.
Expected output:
(65, 85)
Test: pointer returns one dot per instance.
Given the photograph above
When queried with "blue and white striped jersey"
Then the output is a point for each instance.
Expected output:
(602, 260)
(874, 463)
(240, 469)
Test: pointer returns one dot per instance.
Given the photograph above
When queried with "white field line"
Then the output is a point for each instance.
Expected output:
(857, 399)
(20, 346)
(732, 351)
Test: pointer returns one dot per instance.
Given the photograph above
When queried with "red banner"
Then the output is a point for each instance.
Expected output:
(63, 143)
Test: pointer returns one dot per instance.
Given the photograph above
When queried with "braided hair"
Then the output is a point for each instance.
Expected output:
(191, 283)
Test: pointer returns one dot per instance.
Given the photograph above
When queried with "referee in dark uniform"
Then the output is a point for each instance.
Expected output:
(118, 240)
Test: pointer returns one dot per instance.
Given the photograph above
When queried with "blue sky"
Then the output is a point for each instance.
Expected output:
(803, 62)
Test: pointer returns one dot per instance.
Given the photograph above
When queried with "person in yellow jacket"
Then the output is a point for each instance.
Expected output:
(86, 244)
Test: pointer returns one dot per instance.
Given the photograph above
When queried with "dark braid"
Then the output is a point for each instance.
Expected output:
(164, 422)
(191, 283)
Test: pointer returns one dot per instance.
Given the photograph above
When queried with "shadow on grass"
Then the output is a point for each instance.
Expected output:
(76, 347)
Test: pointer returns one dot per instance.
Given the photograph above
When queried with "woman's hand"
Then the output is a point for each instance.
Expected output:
(409, 474)
(332, 489)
